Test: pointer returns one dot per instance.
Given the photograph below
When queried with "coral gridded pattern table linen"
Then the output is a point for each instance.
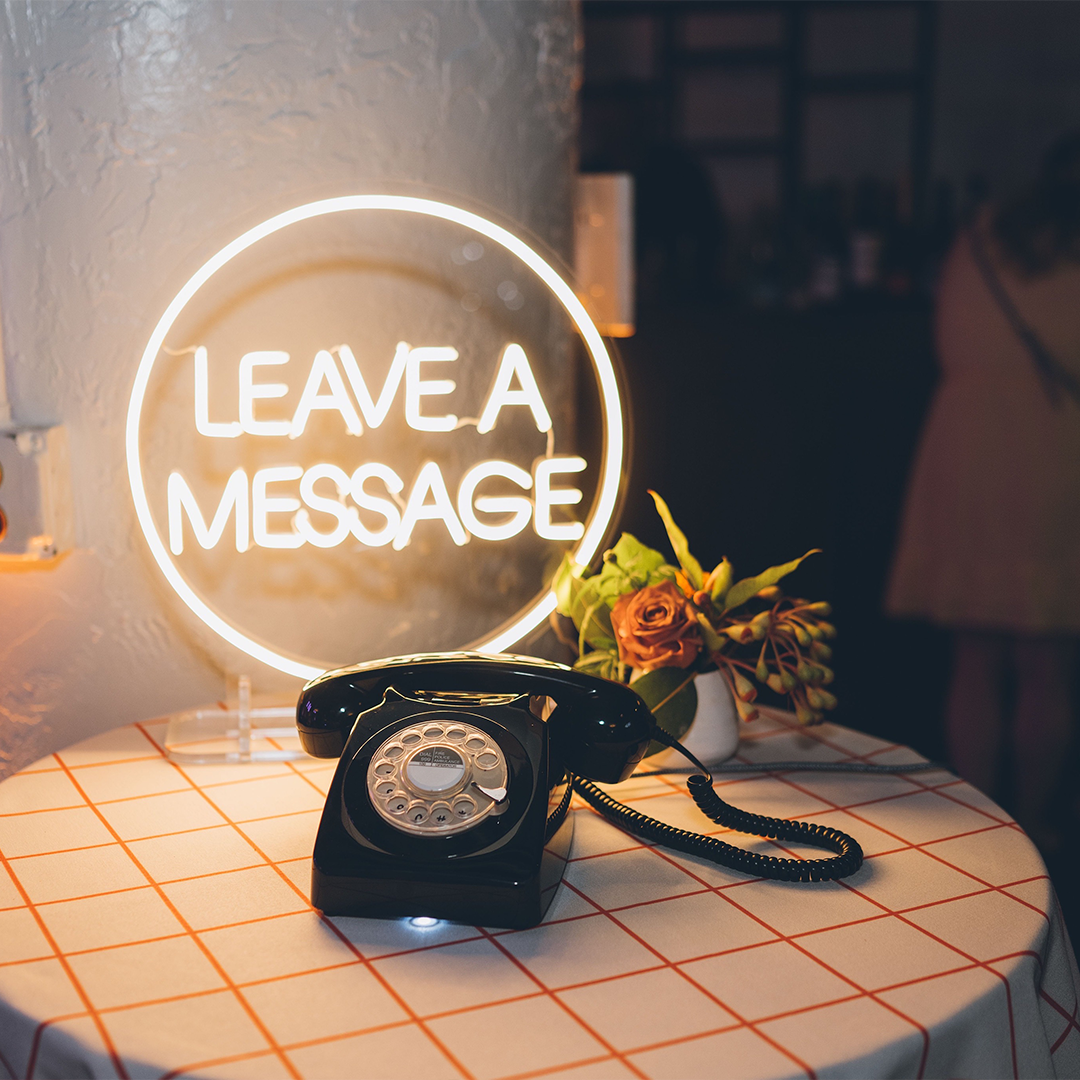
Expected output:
(154, 922)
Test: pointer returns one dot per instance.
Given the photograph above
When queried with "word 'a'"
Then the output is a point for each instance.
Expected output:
(428, 500)
(406, 367)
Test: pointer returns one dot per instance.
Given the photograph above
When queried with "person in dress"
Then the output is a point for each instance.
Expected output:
(989, 543)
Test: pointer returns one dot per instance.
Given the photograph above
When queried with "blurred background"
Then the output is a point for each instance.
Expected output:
(801, 170)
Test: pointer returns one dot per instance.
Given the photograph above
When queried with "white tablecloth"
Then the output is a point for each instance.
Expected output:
(154, 922)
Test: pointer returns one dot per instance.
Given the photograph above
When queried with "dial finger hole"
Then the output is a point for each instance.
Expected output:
(433, 733)
(394, 751)
(487, 760)
(411, 738)
(455, 733)
(442, 815)
(384, 768)
(386, 789)
(476, 742)
(398, 805)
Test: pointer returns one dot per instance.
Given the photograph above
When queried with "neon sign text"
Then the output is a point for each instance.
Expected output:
(513, 364)
(428, 500)
(251, 505)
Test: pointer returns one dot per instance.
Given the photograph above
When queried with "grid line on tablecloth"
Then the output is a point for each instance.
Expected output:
(999, 975)
(7, 1066)
(194, 937)
(39, 1034)
(861, 991)
(1070, 1023)
(679, 971)
(402, 1004)
(562, 1005)
(721, 890)
(76, 984)
(849, 808)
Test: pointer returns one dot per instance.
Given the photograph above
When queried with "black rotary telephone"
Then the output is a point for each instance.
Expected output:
(450, 799)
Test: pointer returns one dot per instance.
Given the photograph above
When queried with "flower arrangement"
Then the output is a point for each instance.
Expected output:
(642, 620)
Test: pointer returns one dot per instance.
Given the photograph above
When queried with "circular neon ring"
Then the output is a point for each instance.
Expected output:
(611, 470)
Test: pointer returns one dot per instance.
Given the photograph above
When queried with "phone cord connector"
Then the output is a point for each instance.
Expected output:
(846, 861)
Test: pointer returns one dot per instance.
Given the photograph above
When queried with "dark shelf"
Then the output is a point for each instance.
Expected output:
(659, 97)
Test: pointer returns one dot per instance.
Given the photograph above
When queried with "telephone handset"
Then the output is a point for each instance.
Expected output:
(450, 798)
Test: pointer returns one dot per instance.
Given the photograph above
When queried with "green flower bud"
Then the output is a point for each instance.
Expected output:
(746, 711)
(744, 688)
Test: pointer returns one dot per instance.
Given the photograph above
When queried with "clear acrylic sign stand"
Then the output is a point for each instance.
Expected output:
(237, 736)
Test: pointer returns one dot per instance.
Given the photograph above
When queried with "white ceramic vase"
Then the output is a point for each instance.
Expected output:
(713, 735)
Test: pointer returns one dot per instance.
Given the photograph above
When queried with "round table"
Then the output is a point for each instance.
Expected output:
(154, 922)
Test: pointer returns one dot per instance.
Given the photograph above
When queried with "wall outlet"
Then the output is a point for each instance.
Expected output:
(36, 516)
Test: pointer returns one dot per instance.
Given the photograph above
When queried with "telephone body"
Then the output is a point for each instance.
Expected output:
(450, 798)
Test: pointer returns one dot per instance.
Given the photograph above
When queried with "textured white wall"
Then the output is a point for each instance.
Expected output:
(131, 134)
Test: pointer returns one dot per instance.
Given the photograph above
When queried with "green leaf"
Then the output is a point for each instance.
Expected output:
(662, 573)
(635, 559)
(595, 627)
(713, 641)
(672, 698)
(719, 581)
(580, 599)
(563, 584)
(601, 662)
(691, 567)
(743, 590)
(612, 582)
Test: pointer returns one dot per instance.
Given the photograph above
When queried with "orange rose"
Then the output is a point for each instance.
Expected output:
(656, 627)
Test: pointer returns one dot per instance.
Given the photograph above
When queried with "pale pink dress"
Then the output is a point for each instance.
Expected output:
(990, 536)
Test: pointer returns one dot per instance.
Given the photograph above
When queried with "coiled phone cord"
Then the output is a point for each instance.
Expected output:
(847, 860)
(555, 819)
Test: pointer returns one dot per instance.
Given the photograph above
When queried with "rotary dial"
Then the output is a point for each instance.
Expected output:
(439, 777)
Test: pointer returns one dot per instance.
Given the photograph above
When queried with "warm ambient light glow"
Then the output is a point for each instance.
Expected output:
(407, 363)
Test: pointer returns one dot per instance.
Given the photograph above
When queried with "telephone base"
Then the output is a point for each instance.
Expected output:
(493, 891)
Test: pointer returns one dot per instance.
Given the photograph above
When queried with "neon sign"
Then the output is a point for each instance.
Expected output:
(356, 499)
